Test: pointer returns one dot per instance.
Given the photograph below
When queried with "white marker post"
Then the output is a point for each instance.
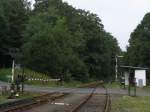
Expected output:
(13, 71)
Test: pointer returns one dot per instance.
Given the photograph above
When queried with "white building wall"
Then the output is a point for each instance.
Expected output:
(140, 75)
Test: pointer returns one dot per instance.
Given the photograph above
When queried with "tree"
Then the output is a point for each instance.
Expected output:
(12, 25)
(138, 52)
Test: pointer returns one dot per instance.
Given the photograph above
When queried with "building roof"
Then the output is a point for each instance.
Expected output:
(132, 67)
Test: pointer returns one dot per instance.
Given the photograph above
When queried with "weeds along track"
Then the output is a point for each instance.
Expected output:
(91, 85)
(21, 105)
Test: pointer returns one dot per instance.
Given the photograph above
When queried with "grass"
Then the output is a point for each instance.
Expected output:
(131, 104)
(55, 84)
(41, 83)
(73, 84)
(147, 88)
(113, 85)
(3, 99)
(28, 95)
(5, 75)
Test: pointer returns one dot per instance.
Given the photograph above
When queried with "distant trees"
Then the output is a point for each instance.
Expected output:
(138, 52)
(57, 39)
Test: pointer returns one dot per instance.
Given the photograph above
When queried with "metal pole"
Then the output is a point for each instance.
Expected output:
(23, 79)
(135, 87)
(116, 68)
(13, 71)
(129, 87)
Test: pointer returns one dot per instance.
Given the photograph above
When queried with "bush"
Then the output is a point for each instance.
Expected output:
(5, 75)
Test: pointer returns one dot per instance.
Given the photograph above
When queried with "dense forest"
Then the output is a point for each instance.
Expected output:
(56, 39)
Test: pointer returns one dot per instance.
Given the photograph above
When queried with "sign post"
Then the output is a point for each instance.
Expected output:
(13, 53)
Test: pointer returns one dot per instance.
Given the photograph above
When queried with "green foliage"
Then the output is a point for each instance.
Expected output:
(70, 45)
(138, 53)
(33, 74)
(13, 17)
(5, 74)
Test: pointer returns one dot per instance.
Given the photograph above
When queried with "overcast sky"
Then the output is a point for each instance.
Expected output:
(120, 17)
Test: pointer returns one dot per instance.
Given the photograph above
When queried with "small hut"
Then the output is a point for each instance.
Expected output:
(134, 75)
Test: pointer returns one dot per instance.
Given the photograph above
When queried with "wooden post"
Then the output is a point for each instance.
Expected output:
(129, 89)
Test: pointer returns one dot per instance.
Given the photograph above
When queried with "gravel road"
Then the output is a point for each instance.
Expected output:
(79, 90)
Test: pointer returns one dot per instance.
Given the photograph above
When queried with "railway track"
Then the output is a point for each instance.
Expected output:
(90, 103)
(26, 104)
(94, 103)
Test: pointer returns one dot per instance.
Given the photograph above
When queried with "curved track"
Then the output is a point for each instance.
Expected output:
(94, 103)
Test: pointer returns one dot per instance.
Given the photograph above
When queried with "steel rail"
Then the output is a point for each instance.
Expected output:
(81, 104)
(107, 106)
